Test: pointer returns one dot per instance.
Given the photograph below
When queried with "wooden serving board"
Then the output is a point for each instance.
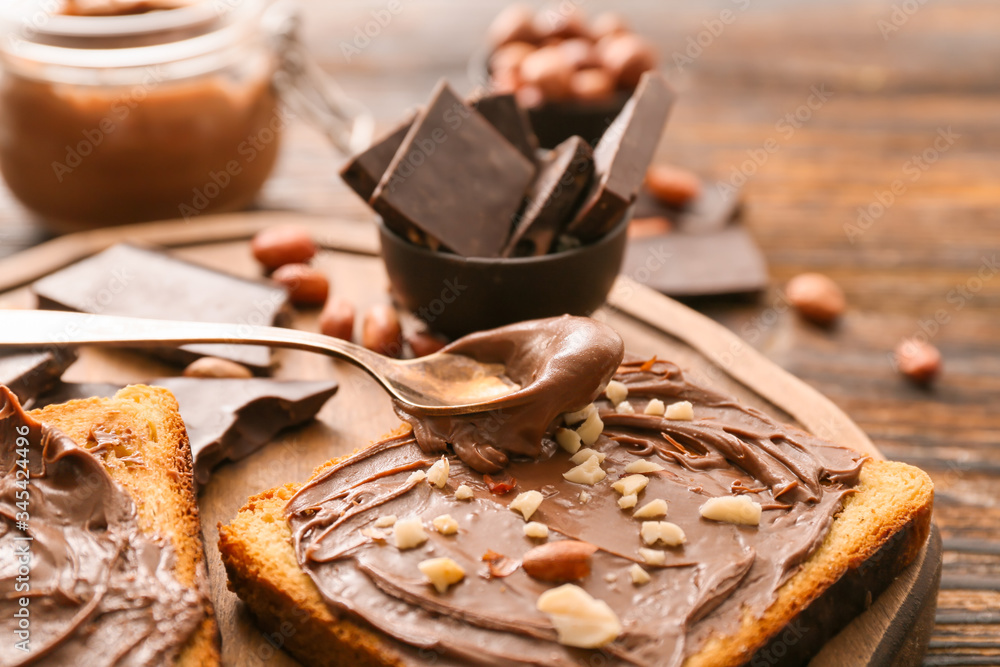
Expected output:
(894, 631)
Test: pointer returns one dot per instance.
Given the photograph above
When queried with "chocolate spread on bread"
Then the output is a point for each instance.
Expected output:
(702, 587)
(82, 583)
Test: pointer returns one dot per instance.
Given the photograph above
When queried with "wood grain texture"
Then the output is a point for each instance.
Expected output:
(917, 259)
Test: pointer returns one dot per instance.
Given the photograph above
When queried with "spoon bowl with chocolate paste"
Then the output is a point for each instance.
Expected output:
(517, 376)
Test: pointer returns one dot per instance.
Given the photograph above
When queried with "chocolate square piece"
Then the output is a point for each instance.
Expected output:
(707, 264)
(141, 282)
(503, 113)
(226, 420)
(365, 169)
(622, 157)
(454, 178)
(28, 374)
(561, 181)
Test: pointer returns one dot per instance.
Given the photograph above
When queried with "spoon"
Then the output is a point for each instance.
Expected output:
(438, 384)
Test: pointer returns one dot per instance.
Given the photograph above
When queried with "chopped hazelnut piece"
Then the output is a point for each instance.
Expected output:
(625, 408)
(464, 492)
(442, 572)
(416, 477)
(662, 531)
(579, 619)
(616, 392)
(628, 502)
(445, 525)
(680, 411)
(568, 439)
(654, 509)
(409, 533)
(653, 557)
(655, 407)
(536, 530)
(643, 466)
(526, 503)
(631, 485)
(571, 418)
(639, 575)
(438, 473)
(732, 509)
(589, 472)
(587, 453)
(385, 521)
(373, 533)
(590, 429)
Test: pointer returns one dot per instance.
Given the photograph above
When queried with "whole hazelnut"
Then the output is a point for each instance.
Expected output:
(424, 342)
(672, 185)
(591, 85)
(337, 318)
(626, 57)
(306, 286)
(514, 24)
(561, 21)
(918, 360)
(549, 70)
(529, 97)
(214, 367)
(505, 82)
(508, 58)
(580, 53)
(652, 226)
(381, 332)
(816, 297)
(283, 244)
(608, 23)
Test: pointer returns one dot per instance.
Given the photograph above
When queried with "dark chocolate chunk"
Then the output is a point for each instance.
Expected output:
(365, 169)
(454, 178)
(226, 420)
(707, 264)
(562, 179)
(622, 157)
(503, 113)
(141, 282)
(29, 374)
(711, 211)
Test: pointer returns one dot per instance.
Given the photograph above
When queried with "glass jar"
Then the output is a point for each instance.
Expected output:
(116, 119)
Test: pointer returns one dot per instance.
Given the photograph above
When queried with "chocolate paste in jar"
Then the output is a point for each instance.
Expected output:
(85, 146)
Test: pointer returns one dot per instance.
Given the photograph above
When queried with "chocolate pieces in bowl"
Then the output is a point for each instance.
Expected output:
(475, 235)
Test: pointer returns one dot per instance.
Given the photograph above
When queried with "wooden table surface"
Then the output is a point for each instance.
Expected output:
(857, 97)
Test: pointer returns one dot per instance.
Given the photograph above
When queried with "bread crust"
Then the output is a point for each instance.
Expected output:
(879, 531)
(162, 488)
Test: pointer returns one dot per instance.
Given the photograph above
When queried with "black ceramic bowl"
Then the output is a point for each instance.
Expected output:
(555, 122)
(458, 295)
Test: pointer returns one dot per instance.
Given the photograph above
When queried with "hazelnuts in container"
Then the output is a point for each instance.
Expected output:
(571, 73)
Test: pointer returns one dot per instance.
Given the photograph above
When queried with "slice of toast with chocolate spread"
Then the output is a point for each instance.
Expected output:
(158, 611)
(691, 531)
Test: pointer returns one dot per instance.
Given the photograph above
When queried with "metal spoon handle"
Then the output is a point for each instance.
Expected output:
(46, 328)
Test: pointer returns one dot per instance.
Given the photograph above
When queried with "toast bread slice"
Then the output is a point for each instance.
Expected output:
(879, 531)
(152, 431)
